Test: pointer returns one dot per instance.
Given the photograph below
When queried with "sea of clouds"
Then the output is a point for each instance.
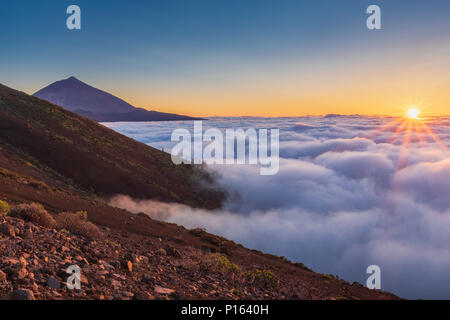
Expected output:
(349, 193)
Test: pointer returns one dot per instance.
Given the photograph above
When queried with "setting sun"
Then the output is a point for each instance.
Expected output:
(413, 113)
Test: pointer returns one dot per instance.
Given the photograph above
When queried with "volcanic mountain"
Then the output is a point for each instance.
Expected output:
(79, 97)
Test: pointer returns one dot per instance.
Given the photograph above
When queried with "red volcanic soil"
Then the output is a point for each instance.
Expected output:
(68, 163)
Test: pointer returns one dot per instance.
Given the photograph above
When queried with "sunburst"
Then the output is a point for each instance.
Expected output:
(404, 128)
(413, 113)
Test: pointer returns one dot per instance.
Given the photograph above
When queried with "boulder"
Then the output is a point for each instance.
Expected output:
(22, 294)
(7, 230)
(127, 265)
(53, 283)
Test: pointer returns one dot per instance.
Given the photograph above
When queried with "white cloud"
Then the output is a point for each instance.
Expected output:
(346, 196)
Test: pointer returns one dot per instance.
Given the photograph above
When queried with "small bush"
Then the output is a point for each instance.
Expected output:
(77, 224)
(264, 279)
(4, 208)
(84, 214)
(33, 212)
(219, 263)
(226, 265)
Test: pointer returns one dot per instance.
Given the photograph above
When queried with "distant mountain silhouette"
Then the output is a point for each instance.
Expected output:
(79, 97)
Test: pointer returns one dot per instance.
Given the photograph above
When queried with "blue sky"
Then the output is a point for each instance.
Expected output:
(150, 51)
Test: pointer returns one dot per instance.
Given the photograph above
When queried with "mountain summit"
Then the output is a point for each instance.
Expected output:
(79, 97)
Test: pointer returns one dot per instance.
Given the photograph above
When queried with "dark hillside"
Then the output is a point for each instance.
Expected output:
(95, 157)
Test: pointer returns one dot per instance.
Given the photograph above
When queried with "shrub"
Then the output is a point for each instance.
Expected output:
(220, 263)
(77, 224)
(226, 265)
(33, 212)
(84, 214)
(265, 279)
(4, 208)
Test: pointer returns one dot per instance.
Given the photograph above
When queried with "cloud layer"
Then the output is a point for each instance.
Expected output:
(351, 191)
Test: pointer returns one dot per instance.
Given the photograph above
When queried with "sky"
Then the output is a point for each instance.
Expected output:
(237, 57)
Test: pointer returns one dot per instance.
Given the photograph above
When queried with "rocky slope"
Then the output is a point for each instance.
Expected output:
(137, 257)
(123, 266)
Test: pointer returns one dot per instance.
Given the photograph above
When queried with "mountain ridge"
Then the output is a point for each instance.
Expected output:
(99, 105)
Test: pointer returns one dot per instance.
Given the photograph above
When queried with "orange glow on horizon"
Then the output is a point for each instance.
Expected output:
(282, 108)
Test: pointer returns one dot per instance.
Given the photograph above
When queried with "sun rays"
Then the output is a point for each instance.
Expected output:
(412, 128)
